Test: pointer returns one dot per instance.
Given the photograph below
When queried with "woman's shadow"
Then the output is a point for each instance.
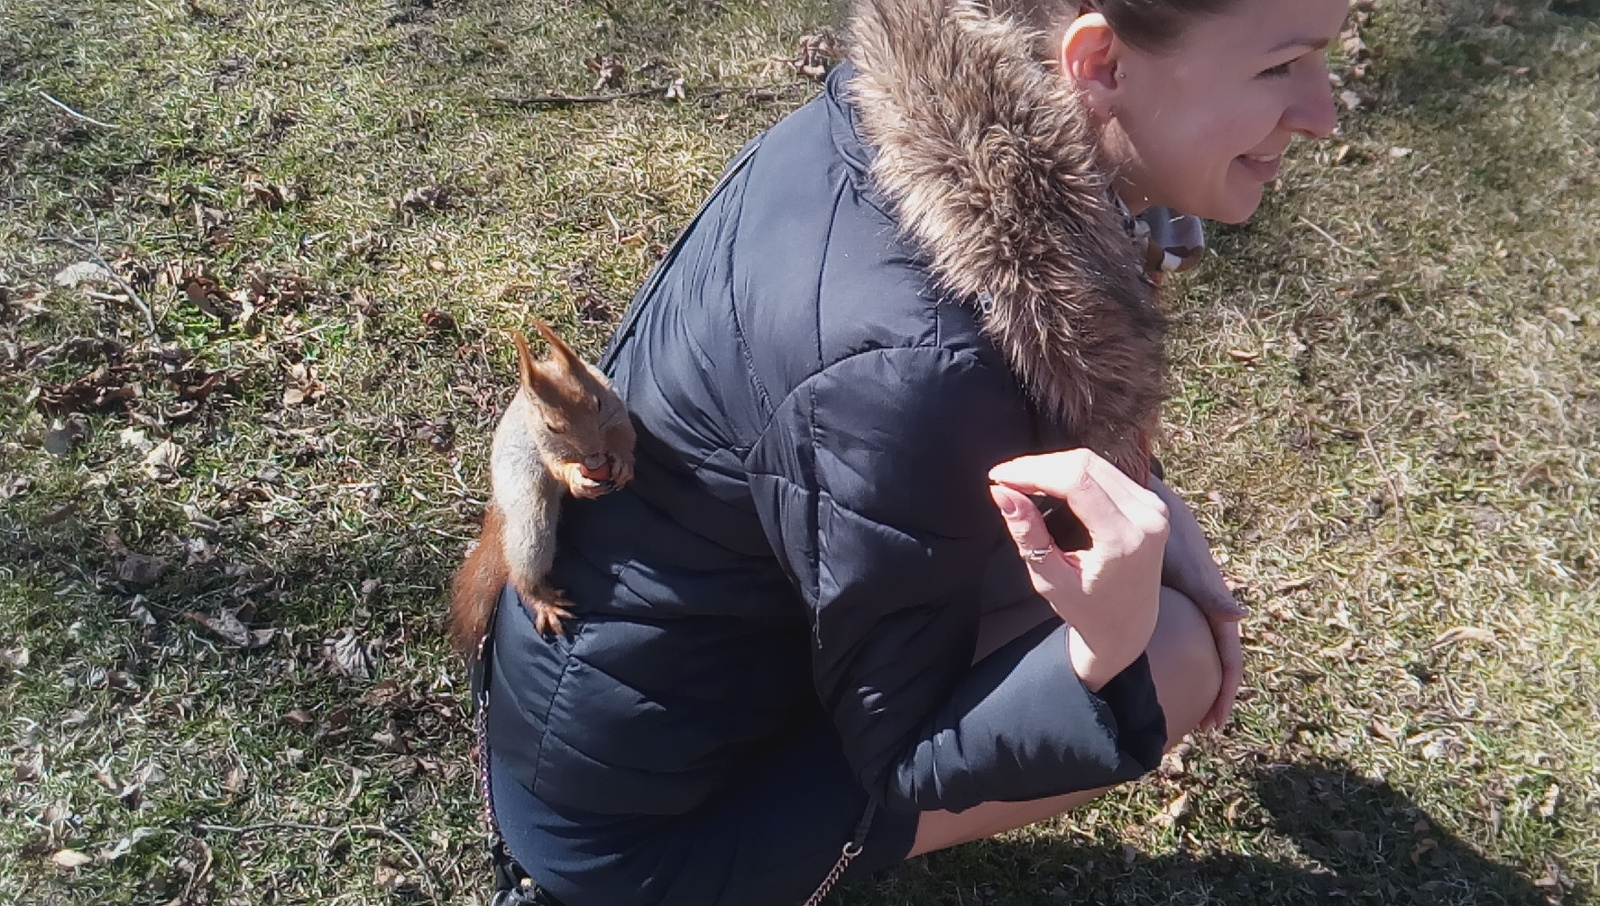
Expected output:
(1323, 834)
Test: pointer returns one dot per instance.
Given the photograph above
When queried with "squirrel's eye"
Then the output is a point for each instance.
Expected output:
(554, 428)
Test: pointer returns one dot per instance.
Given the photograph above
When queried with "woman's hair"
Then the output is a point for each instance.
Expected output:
(1154, 24)
(1151, 25)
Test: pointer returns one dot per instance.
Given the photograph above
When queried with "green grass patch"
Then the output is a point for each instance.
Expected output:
(1385, 413)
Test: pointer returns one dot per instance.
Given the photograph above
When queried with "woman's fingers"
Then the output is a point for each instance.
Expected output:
(1107, 593)
(1118, 513)
(1231, 656)
(1033, 540)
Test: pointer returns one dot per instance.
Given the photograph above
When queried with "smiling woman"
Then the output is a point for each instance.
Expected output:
(1200, 121)
(825, 617)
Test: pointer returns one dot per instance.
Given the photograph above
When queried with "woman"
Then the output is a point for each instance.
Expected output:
(810, 621)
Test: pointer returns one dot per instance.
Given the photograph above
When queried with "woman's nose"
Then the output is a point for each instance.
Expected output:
(1312, 114)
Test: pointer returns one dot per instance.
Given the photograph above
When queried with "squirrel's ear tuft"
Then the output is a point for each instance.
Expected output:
(558, 347)
(527, 374)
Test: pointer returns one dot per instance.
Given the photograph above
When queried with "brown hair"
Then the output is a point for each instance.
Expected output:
(1154, 24)
(1151, 25)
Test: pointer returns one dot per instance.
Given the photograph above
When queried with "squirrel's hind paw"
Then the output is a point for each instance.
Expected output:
(549, 609)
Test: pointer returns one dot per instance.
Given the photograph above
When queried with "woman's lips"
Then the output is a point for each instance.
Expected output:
(1264, 167)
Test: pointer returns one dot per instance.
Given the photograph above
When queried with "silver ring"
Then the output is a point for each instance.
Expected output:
(1038, 554)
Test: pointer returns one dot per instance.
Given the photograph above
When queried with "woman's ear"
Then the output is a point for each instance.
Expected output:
(1089, 57)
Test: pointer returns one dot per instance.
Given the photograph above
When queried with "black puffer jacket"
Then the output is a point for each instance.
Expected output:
(809, 532)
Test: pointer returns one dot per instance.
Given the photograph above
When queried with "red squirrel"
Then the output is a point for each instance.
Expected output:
(565, 430)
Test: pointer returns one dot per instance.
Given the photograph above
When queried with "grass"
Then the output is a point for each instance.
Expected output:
(1385, 413)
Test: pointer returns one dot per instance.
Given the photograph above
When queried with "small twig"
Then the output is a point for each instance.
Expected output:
(422, 863)
(1394, 490)
(75, 114)
(561, 100)
(1377, 461)
(319, 328)
(149, 316)
(763, 92)
(1320, 231)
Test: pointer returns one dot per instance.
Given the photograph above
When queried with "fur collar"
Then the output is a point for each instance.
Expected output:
(990, 164)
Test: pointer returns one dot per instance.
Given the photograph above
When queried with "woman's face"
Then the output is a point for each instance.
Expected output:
(1200, 126)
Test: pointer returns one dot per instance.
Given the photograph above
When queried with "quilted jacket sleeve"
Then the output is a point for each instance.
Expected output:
(870, 484)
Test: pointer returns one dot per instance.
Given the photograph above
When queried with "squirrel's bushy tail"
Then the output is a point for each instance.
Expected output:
(476, 587)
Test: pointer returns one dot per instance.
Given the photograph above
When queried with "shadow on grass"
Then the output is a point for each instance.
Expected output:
(1452, 78)
(1359, 841)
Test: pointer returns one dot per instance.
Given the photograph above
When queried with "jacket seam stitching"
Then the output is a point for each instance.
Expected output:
(733, 311)
(561, 682)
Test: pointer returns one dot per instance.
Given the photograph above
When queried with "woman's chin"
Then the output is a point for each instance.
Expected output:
(1234, 207)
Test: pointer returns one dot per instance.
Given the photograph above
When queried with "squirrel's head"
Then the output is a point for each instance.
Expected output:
(576, 415)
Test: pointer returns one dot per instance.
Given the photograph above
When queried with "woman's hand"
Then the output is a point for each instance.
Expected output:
(1109, 593)
(1189, 568)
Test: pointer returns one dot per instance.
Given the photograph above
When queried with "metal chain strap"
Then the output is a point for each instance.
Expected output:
(480, 729)
(846, 856)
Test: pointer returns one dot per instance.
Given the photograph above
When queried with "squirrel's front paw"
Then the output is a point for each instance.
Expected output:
(621, 470)
(584, 482)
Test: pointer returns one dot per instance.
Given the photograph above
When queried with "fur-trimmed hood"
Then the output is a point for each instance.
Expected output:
(991, 164)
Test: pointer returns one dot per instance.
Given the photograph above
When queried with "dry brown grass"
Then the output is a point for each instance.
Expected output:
(1386, 417)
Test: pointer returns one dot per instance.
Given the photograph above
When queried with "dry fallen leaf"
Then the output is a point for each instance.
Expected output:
(423, 198)
(1385, 732)
(269, 195)
(1463, 634)
(814, 55)
(163, 461)
(83, 272)
(349, 655)
(27, 770)
(126, 844)
(438, 322)
(1175, 811)
(204, 293)
(383, 694)
(303, 385)
(71, 858)
(608, 71)
(135, 438)
(391, 739)
(227, 625)
(139, 569)
(1172, 764)
(98, 391)
(15, 486)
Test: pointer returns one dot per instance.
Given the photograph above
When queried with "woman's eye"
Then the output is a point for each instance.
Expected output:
(1282, 69)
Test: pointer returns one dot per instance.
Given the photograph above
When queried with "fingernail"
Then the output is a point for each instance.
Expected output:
(1006, 502)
